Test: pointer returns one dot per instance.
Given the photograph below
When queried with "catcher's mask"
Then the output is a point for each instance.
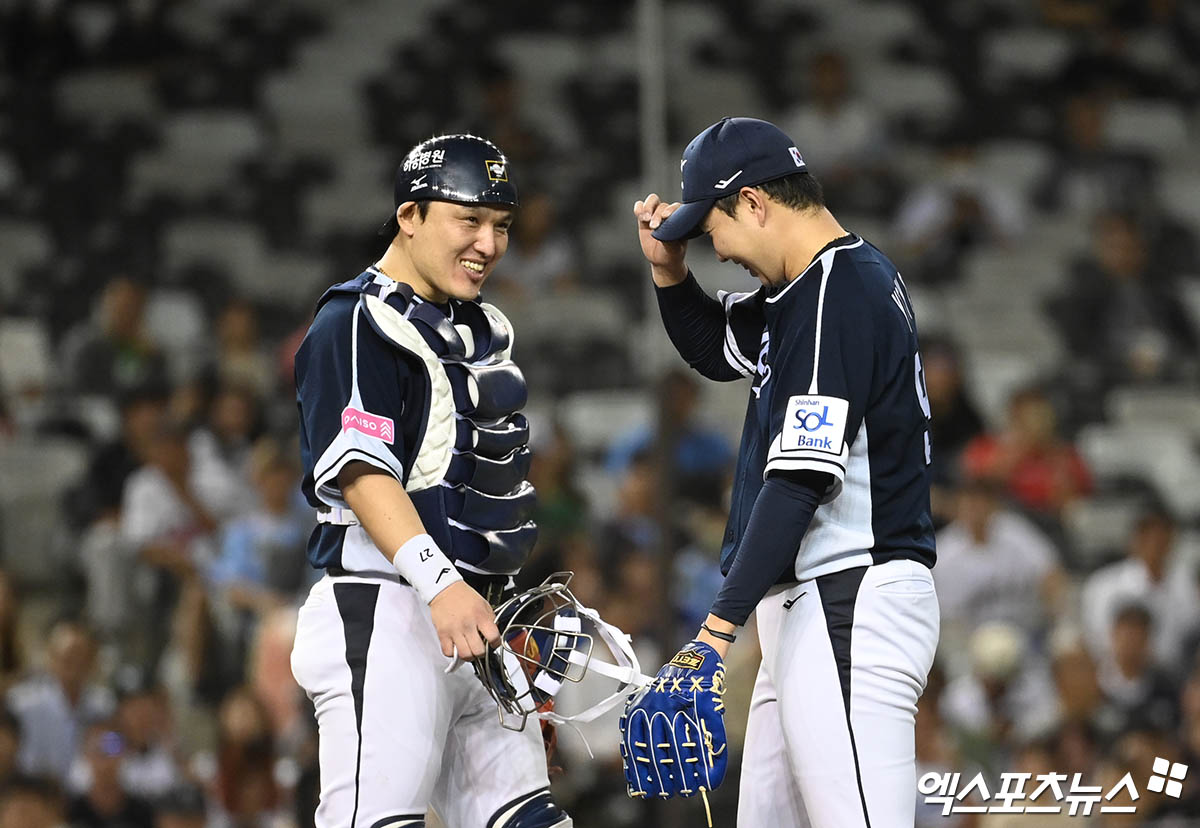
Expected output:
(547, 638)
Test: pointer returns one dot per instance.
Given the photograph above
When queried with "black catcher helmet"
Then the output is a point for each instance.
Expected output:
(461, 168)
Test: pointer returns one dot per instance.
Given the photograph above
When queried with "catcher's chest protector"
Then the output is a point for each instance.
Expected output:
(467, 472)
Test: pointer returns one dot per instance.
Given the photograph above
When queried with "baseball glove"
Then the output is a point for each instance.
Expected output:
(673, 730)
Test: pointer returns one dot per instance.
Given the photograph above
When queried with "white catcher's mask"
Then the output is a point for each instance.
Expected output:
(547, 637)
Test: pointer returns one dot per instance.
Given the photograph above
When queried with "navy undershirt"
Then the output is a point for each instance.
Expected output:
(782, 512)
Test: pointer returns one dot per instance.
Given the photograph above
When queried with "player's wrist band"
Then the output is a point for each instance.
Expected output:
(724, 636)
(425, 567)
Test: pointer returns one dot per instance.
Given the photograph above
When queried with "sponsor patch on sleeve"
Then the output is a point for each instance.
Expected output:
(814, 423)
(372, 425)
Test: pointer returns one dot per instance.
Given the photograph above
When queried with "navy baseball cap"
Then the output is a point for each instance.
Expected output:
(731, 154)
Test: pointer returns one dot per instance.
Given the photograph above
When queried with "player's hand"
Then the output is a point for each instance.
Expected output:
(464, 621)
(666, 258)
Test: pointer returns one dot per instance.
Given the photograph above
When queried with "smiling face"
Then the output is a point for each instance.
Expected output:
(455, 247)
(740, 239)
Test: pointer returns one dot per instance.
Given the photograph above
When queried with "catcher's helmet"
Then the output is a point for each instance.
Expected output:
(462, 168)
(547, 639)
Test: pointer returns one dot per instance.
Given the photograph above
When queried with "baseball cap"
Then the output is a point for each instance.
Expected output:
(465, 169)
(731, 154)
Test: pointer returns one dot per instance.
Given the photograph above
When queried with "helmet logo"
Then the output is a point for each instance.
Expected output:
(496, 170)
(418, 183)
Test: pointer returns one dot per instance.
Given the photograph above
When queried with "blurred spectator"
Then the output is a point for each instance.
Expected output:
(31, 802)
(1119, 317)
(1004, 698)
(635, 524)
(562, 509)
(995, 565)
(1189, 730)
(98, 496)
(1140, 693)
(262, 564)
(1153, 575)
(148, 766)
(105, 803)
(12, 660)
(843, 139)
(1088, 174)
(10, 745)
(112, 353)
(54, 707)
(693, 455)
(220, 452)
(541, 258)
(242, 361)
(1029, 457)
(501, 119)
(955, 210)
(1076, 685)
(170, 532)
(245, 786)
(183, 807)
(954, 419)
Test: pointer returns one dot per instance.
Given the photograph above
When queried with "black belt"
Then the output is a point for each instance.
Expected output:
(491, 587)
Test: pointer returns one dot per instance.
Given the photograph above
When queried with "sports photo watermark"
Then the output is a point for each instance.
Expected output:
(1048, 793)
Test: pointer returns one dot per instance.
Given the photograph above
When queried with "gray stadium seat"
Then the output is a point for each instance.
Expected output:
(1173, 407)
(105, 96)
(918, 91)
(596, 418)
(23, 243)
(1024, 53)
(34, 475)
(1155, 127)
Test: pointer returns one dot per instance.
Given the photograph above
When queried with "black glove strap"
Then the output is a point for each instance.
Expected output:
(724, 636)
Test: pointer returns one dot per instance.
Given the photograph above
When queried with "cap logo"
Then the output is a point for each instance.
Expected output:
(418, 183)
(725, 182)
(496, 170)
(795, 153)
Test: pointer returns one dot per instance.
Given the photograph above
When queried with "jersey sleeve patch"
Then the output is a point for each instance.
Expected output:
(814, 423)
(372, 425)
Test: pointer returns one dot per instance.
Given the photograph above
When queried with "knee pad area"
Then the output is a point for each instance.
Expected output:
(538, 811)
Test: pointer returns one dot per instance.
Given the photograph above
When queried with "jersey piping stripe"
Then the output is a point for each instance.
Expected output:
(733, 354)
(356, 606)
(825, 268)
(811, 265)
(503, 810)
(839, 592)
(401, 821)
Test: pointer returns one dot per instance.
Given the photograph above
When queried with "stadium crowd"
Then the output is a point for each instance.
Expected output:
(178, 185)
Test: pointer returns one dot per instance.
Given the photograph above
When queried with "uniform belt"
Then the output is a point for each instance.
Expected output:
(337, 517)
(492, 587)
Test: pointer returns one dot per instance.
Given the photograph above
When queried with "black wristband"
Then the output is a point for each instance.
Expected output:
(724, 636)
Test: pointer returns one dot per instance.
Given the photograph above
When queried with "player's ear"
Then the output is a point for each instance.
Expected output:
(756, 203)
(408, 215)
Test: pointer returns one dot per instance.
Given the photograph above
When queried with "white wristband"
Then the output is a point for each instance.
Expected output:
(422, 564)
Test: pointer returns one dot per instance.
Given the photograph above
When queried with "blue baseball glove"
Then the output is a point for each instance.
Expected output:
(673, 729)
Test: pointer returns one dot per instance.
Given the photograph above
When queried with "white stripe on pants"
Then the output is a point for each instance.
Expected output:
(427, 738)
(803, 753)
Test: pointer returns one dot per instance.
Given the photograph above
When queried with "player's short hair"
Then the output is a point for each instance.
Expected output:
(799, 191)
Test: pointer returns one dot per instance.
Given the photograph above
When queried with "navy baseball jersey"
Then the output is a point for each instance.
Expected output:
(426, 393)
(837, 387)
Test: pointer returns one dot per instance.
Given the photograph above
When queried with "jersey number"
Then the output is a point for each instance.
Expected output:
(923, 399)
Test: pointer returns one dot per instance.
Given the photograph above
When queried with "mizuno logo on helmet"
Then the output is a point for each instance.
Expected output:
(418, 183)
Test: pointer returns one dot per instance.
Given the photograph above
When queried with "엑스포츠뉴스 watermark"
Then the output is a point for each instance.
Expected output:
(1048, 793)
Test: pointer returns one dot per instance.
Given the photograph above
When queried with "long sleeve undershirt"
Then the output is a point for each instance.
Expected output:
(782, 512)
(695, 323)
